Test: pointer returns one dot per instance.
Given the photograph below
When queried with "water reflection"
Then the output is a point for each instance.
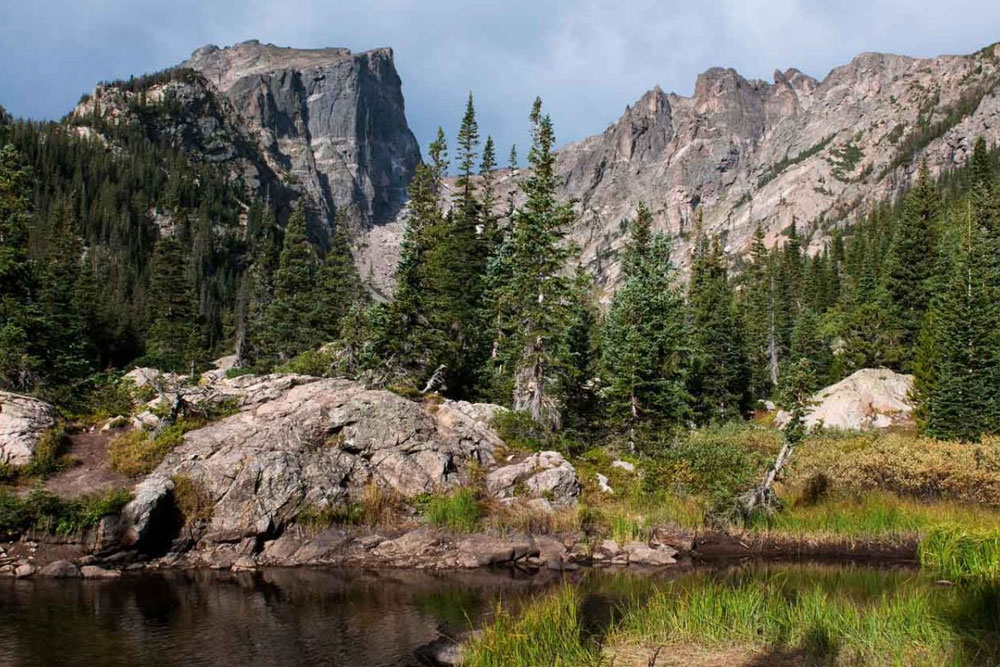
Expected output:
(275, 617)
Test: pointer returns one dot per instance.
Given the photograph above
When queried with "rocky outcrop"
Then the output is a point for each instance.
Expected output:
(545, 475)
(23, 421)
(301, 444)
(872, 398)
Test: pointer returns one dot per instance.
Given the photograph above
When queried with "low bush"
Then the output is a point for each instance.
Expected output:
(137, 452)
(715, 463)
(310, 362)
(192, 500)
(520, 432)
(49, 456)
(904, 464)
(46, 512)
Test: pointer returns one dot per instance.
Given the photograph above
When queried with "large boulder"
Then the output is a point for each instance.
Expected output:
(299, 443)
(871, 398)
(544, 475)
(23, 420)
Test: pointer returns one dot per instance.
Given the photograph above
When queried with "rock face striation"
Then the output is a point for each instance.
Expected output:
(331, 125)
(23, 421)
(871, 398)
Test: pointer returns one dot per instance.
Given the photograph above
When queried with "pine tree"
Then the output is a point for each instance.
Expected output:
(172, 340)
(66, 345)
(453, 267)
(957, 385)
(19, 318)
(535, 309)
(643, 342)
(288, 323)
(908, 267)
(757, 309)
(338, 287)
(720, 375)
(808, 343)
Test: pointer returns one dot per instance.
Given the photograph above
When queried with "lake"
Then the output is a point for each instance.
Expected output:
(286, 617)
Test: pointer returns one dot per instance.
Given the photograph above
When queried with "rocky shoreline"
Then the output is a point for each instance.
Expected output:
(440, 550)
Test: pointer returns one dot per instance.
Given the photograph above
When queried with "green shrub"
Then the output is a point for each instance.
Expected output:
(310, 362)
(318, 518)
(240, 372)
(46, 512)
(717, 462)
(519, 431)
(49, 452)
(459, 510)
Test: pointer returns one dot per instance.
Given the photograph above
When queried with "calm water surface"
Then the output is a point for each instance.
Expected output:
(281, 617)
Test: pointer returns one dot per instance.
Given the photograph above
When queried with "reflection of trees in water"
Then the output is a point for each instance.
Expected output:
(276, 617)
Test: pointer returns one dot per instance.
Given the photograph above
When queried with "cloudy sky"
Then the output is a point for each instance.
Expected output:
(587, 59)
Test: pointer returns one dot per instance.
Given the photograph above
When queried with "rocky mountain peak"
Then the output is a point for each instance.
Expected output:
(332, 121)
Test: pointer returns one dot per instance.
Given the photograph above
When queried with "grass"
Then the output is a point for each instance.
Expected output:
(458, 510)
(192, 500)
(548, 632)
(958, 553)
(873, 515)
(48, 513)
(136, 452)
(785, 615)
(836, 616)
(377, 507)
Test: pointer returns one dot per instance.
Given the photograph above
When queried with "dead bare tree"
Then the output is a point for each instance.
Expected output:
(797, 397)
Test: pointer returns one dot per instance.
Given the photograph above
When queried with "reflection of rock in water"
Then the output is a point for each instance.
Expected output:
(270, 618)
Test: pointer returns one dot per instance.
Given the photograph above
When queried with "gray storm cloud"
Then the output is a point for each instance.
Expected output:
(586, 59)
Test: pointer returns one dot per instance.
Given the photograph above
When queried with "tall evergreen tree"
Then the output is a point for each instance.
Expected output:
(957, 385)
(535, 309)
(172, 342)
(643, 343)
(720, 375)
(19, 318)
(909, 266)
(289, 326)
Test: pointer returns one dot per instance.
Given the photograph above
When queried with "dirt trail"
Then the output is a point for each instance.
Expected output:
(90, 471)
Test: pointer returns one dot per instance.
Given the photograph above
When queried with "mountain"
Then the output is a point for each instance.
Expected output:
(751, 153)
(325, 123)
(331, 124)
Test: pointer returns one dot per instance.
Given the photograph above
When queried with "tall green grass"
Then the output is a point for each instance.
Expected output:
(894, 618)
(956, 552)
(548, 632)
(879, 515)
(818, 615)
(458, 510)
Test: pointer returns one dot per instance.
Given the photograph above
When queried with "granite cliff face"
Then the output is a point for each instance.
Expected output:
(331, 124)
(334, 121)
(749, 152)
